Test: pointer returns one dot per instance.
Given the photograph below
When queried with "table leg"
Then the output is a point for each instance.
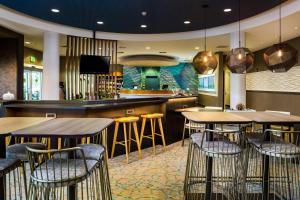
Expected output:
(2, 155)
(72, 188)
(266, 169)
(209, 164)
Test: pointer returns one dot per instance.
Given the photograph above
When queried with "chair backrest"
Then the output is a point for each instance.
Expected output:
(213, 108)
(57, 166)
(282, 142)
(222, 142)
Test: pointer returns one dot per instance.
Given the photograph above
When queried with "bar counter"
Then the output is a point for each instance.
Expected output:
(113, 108)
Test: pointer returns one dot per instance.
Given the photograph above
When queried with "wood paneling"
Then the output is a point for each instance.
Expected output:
(281, 101)
(88, 86)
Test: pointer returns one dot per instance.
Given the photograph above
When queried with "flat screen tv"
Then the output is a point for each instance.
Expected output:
(94, 64)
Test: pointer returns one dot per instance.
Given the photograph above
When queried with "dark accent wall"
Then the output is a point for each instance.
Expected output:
(207, 100)
(281, 101)
(11, 62)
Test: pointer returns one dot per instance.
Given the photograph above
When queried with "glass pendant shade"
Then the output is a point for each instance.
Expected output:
(205, 62)
(240, 60)
(281, 57)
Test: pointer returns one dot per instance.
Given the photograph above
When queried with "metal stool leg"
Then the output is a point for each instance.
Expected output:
(183, 133)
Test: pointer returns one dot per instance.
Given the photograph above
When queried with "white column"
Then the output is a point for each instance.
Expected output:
(237, 81)
(50, 88)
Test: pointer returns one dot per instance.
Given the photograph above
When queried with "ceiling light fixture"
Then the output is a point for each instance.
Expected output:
(280, 57)
(197, 48)
(187, 22)
(55, 10)
(143, 26)
(227, 10)
(27, 42)
(100, 22)
(296, 27)
(147, 48)
(205, 62)
(144, 13)
(240, 60)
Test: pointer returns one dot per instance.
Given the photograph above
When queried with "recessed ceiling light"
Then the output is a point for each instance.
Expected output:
(144, 13)
(227, 10)
(27, 42)
(187, 22)
(197, 48)
(296, 27)
(100, 22)
(143, 26)
(147, 48)
(55, 10)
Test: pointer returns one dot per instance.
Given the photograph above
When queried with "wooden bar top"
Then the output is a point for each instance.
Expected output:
(10, 124)
(66, 127)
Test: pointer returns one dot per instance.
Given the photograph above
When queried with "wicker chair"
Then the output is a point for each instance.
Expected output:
(284, 168)
(13, 172)
(228, 175)
(52, 173)
(192, 127)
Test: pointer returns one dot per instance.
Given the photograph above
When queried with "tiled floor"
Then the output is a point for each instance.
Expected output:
(156, 177)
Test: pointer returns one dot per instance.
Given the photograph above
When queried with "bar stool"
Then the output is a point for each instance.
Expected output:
(282, 160)
(155, 117)
(131, 121)
(215, 167)
(9, 170)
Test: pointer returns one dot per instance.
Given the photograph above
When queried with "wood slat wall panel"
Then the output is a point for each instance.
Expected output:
(89, 86)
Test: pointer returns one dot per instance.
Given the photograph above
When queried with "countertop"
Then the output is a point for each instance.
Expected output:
(87, 105)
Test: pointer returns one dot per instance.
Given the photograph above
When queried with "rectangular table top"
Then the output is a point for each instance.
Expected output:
(10, 124)
(240, 117)
(215, 117)
(199, 109)
(66, 127)
(270, 117)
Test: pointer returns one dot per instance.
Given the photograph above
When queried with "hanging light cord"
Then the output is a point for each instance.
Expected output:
(239, 18)
(280, 22)
(204, 6)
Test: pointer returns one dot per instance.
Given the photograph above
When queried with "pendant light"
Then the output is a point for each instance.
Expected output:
(280, 57)
(205, 61)
(240, 60)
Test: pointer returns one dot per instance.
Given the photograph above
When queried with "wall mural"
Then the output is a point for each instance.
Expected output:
(181, 76)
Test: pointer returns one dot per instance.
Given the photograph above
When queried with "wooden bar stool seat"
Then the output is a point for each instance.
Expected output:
(131, 121)
(154, 117)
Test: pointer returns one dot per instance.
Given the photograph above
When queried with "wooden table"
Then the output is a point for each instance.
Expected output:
(8, 125)
(199, 109)
(264, 118)
(69, 128)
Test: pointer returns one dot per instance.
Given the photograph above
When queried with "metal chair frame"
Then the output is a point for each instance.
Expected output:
(284, 159)
(91, 183)
(228, 177)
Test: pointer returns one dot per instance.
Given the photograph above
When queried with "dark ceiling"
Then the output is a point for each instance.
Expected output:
(124, 16)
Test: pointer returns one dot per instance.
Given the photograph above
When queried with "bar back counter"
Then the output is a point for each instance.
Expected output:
(173, 121)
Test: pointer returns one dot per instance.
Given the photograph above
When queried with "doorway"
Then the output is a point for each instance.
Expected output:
(32, 84)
